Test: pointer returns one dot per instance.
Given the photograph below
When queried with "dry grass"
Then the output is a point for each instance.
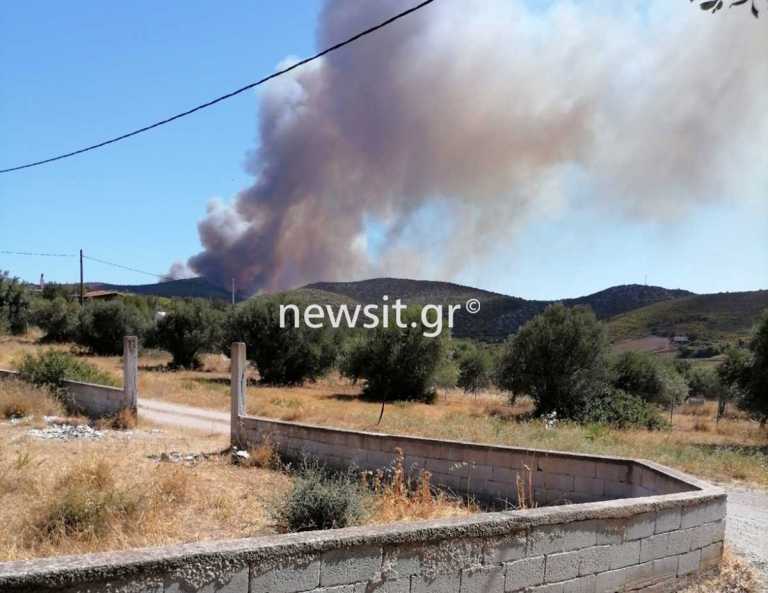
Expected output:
(398, 498)
(78, 497)
(20, 400)
(735, 576)
(734, 448)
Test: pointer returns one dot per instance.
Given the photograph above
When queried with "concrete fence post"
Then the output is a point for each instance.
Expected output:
(131, 369)
(237, 389)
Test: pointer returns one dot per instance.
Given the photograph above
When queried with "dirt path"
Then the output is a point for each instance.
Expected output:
(159, 412)
(747, 525)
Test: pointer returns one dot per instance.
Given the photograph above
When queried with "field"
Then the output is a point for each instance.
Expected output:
(151, 486)
(733, 449)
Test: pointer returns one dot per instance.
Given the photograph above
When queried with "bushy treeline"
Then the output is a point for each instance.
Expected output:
(561, 358)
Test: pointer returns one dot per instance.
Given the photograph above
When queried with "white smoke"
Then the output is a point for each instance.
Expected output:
(477, 110)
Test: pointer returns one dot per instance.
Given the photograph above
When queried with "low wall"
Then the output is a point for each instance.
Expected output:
(97, 401)
(488, 473)
(659, 529)
(94, 401)
(650, 544)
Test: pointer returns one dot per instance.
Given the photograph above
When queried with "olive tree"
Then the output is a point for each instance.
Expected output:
(558, 358)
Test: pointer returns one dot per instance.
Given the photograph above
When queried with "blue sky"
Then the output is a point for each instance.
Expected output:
(75, 73)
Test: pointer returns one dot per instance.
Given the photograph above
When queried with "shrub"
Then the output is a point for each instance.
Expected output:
(283, 356)
(14, 305)
(475, 370)
(190, 328)
(622, 410)
(57, 318)
(87, 504)
(319, 500)
(51, 367)
(644, 375)
(396, 363)
(104, 324)
(558, 358)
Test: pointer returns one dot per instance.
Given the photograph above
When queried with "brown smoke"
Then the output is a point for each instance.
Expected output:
(477, 112)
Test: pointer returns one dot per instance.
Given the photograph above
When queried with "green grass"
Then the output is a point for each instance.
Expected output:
(721, 316)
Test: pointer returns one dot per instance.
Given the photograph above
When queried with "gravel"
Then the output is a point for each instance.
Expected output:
(747, 526)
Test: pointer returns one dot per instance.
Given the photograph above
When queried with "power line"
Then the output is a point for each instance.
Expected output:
(37, 254)
(114, 265)
(320, 54)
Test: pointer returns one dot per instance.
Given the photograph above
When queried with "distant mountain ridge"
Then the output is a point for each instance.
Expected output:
(631, 310)
(500, 315)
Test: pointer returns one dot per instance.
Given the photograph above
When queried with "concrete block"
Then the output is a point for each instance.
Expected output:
(699, 514)
(625, 554)
(640, 526)
(442, 583)
(504, 474)
(656, 546)
(640, 576)
(688, 563)
(401, 561)
(527, 572)
(679, 542)
(615, 489)
(585, 584)
(594, 560)
(668, 520)
(561, 482)
(592, 487)
(711, 555)
(665, 567)
(562, 566)
(349, 565)
(610, 531)
(486, 579)
(612, 471)
(549, 539)
(289, 575)
(505, 549)
(233, 583)
(707, 534)
(611, 581)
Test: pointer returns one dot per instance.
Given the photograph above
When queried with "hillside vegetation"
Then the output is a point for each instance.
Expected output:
(632, 310)
(725, 315)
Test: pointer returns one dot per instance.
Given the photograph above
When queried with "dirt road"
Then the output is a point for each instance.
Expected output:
(747, 525)
(159, 412)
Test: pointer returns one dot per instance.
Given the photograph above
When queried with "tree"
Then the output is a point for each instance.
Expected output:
(190, 328)
(642, 374)
(475, 369)
(14, 305)
(749, 372)
(396, 363)
(558, 358)
(58, 318)
(283, 355)
(716, 5)
(103, 324)
(706, 382)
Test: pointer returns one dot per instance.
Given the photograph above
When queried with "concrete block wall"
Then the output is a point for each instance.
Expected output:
(97, 401)
(488, 473)
(652, 544)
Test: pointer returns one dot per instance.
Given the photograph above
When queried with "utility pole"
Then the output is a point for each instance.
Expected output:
(82, 286)
(233, 292)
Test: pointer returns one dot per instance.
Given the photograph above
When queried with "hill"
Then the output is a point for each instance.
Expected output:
(500, 315)
(717, 316)
(188, 287)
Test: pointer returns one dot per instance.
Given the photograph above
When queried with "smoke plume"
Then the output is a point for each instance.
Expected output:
(441, 135)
